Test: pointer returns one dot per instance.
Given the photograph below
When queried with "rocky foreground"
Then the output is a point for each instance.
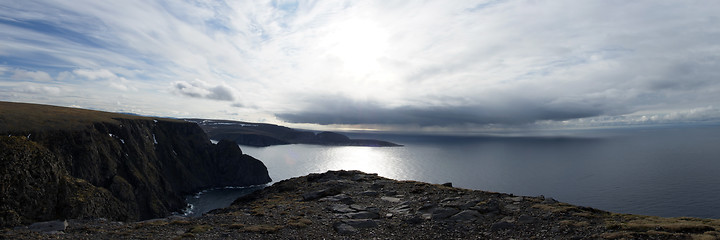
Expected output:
(356, 205)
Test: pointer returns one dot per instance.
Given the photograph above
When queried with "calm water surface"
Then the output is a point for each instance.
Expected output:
(661, 172)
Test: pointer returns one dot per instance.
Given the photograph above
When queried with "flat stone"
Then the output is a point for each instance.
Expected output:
(502, 225)
(369, 193)
(343, 198)
(469, 204)
(427, 206)
(321, 193)
(49, 226)
(526, 219)
(344, 229)
(515, 199)
(361, 223)
(390, 193)
(512, 207)
(363, 215)
(341, 208)
(358, 207)
(488, 207)
(415, 220)
(390, 199)
(401, 209)
(443, 213)
(466, 215)
(450, 199)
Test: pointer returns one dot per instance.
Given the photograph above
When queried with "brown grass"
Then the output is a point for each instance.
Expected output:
(699, 228)
(23, 117)
(262, 228)
(199, 229)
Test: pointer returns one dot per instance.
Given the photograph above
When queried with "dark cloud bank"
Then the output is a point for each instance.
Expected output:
(338, 110)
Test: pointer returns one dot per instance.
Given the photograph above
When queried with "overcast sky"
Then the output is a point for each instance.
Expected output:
(410, 65)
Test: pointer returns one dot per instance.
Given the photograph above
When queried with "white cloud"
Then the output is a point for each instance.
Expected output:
(570, 59)
(19, 74)
(95, 74)
(201, 89)
(38, 90)
(111, 79)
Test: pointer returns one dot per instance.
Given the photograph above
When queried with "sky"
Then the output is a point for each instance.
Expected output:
(436, 66)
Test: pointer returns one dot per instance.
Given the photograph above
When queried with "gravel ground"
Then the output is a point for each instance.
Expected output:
(356, 205)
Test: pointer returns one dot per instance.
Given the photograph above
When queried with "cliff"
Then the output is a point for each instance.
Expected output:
(72, 163)
(263, 135)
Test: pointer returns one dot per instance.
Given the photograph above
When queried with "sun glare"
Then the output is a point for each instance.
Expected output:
(367, 159)
(359, 45)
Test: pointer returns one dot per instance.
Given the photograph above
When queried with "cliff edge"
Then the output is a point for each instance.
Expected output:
(67, 163)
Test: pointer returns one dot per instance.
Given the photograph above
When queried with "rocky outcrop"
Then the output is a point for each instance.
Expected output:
(356, 205)
(116, 166)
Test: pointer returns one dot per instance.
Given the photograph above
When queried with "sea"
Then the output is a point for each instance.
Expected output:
(660, 171)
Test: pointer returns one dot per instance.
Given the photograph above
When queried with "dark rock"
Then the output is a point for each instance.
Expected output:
(343, 198)
(390, 193)
(502, 225)
(447, 184)
(427, 206)
(89, 164)
(415, 220)
(49, 227)
(491, 206)
(341, 208)
(373, 209)
(321, 193)
(360, 223)
(369, 193)
(526, 219)
(344, 229)
(390, 199)
(516, 199)
(466, 215)
(363, 215)
(469, 204)
(377, 186)
(443, 213)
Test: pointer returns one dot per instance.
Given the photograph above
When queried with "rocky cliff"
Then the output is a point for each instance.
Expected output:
(73, 163)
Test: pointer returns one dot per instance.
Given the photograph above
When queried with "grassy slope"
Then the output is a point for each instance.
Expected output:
(21, 117)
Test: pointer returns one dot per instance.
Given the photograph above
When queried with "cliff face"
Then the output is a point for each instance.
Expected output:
(123, 169)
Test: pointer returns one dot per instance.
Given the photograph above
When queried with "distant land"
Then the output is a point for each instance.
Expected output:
(263, 135)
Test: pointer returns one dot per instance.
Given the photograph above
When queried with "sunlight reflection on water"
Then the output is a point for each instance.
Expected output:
(662, 173)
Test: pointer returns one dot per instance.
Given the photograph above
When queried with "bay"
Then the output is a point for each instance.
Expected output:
(668, 172)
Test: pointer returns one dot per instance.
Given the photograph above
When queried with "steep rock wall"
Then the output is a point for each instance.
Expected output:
(126, 169)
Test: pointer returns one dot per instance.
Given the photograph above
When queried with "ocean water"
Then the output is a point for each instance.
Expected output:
(669, 172)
